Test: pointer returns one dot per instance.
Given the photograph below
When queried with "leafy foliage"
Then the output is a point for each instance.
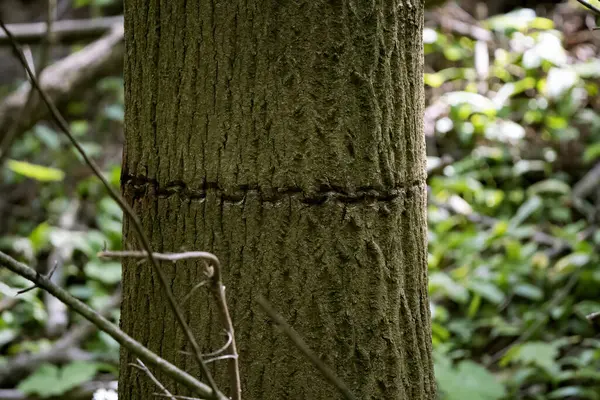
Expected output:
(512, 255)
(49, 380)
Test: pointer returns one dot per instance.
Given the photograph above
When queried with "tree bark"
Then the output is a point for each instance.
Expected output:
(286, 138)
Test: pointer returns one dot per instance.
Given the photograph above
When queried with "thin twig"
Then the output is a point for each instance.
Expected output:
(191, 292)
(217, 289)
(303, 347)
(222, 349)
(216, 352)
(111, 329)
(178, 397)
(161, 256)
(145, 369)
(30, 288)
(142, 237)
(223, 357)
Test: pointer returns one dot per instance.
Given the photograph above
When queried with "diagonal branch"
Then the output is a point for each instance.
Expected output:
(303, 347)
(63, 79)
(213, 268)
(127, 210)
(111, 329)
(141, 366)
(67, 347)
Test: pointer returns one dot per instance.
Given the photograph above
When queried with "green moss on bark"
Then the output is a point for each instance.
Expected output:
(285, 137)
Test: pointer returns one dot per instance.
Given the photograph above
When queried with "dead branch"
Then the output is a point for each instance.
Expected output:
(217, 289)
(127, 210)
(48, 275)
(65, 31)
(111, 329)
(62, 80)
(588, 183)
(141, 366)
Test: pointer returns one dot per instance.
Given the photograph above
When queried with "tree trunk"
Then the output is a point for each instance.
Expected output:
(286, 138)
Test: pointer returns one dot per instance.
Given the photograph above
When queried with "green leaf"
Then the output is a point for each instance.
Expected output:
(550, 186)
(7, 335)
(76, 373)
(48, 380)
(572, 262)
(43, 382)
(529, 207)
(115, 112)
(79, 128)
(468, 381)
(592, 152)
(108, 273)
(477, 102)
(487, 290)
(504, 131)
(540, 354)
(441, 283)
(515, 20)
(529, 291)
(40, 236)
(47, 136)
(574, 392)
(37, 172)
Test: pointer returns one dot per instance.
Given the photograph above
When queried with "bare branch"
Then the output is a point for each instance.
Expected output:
(127, 210)
(218, 291)
(111, 329)
(145, 369)
(222, 349)
(177, 397)
(65, 31)
(216, 352)
(223, 357)
(30, 288)
(303, 347)
(64, 79)
(161, 256)
(191, 292)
